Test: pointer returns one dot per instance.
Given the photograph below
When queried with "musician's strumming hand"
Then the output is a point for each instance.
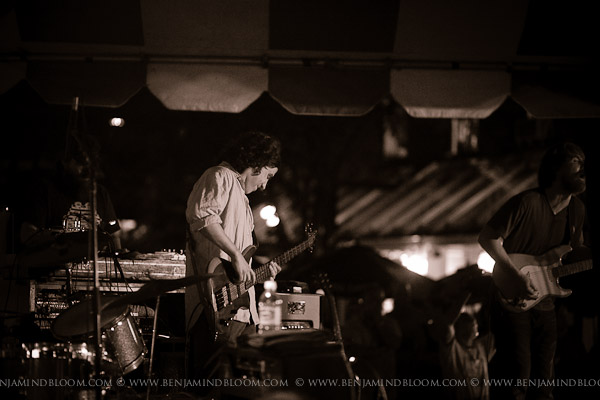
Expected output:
(243, 269)
(274, 268)
(524, 288)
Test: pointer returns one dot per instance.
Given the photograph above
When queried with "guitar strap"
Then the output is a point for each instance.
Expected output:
(569, 227)
(244, 301)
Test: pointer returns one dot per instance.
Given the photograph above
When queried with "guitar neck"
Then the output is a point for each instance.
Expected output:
(263, 272)
(574, 268)
(231, 291)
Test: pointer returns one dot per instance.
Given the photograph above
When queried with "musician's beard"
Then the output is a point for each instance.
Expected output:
(575, 184)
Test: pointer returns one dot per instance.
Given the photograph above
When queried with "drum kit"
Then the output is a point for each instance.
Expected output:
(64, 369)
(98, 339)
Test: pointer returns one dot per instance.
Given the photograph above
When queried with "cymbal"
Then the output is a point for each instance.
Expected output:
(76, 321)
(155, 288)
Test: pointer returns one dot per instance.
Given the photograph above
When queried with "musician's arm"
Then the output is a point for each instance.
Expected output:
(216, 234)
(491, 242)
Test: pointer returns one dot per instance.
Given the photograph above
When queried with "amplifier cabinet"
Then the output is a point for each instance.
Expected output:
(300, 310)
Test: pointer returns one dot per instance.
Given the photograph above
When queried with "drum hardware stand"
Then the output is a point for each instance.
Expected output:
(152, 346)
(94, 251)
(68, 281)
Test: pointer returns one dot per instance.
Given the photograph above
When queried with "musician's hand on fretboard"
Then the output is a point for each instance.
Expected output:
(274, 268)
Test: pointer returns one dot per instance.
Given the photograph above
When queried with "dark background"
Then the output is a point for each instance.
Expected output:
(150, 164)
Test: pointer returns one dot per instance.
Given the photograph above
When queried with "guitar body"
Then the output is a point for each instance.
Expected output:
(219, 311)
(541, 272)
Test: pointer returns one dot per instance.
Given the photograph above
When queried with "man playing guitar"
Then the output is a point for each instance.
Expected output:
(533, 223)
(220, 225)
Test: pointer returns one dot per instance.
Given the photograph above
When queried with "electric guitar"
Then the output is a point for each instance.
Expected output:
(543, 272)
(224, 297)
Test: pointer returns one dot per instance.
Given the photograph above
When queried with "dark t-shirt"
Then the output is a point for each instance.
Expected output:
(528, 225)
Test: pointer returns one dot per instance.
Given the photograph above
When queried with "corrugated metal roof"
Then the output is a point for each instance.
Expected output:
(445, 197)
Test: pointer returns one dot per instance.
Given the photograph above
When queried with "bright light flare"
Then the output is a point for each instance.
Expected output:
(485, 262)
(272, 221)
(267, 212)
(128, 224)
(117, 122)
(416, 263)
(387, 306)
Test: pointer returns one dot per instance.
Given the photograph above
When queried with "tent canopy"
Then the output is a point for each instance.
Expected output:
(437, 59)
(445, 197)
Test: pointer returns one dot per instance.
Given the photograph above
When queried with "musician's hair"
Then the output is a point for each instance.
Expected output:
(553, 159)
(253, 149)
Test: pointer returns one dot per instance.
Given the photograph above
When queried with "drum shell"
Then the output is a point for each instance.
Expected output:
(121, 337)
(125, 343)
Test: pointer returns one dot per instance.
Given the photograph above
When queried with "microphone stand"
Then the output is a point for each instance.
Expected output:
(92, 247)
(325, 285)
(152, 346)
(94, 250)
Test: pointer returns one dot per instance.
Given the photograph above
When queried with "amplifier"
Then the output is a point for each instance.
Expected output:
(300, 310)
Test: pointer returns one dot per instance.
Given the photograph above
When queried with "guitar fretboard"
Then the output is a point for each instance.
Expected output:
(263, 272)
(569, 269)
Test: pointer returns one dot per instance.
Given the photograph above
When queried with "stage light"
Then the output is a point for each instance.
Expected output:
(117, 122)
(387, 306)
(127, 224)
(485, 262)
(267, 212)
(272, 221)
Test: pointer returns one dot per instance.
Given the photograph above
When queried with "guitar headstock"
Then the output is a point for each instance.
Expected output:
(311, 234)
